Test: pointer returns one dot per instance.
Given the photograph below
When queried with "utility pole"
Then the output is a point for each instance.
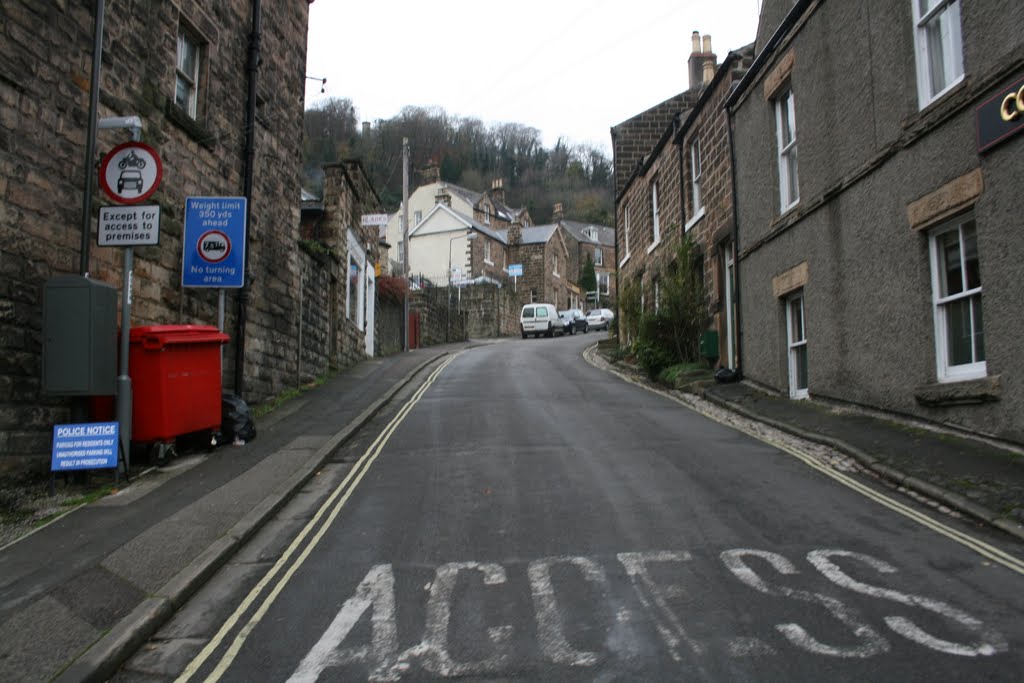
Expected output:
(405, 238)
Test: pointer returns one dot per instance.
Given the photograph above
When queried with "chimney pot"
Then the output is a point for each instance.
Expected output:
(707, 43)
(709, 71)
(695, 38)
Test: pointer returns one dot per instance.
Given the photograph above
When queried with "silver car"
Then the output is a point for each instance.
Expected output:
(598, 318)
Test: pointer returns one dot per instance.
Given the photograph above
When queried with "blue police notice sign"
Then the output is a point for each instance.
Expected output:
(515, 270)
(213, 253)
(90, 446)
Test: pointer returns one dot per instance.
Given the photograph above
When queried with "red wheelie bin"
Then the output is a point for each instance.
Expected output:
(176, 383)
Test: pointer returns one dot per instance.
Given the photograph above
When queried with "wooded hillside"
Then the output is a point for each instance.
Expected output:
(469, 154)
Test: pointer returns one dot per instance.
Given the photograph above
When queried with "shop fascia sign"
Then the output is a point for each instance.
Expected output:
(1001, 116)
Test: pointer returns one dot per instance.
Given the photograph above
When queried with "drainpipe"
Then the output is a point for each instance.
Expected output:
(735, 247)
(250, 157)
(682, 176)
(90, 142)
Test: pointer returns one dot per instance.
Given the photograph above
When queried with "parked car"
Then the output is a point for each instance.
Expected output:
(574, 320)
(538, 319)
(598, 318)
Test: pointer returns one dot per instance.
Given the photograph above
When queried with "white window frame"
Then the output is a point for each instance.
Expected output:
(554, 265)
(940, 305)
(787, 154)
(625, 233)
(183, 76)
(606, 279)
(417, 216)
(598, 257)
(487, 215)
(655, 217)
(696, 174)
(487, 253)
(796, 344)
(947, 15)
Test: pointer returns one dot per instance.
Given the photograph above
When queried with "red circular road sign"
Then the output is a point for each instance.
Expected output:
(131, 172)
(213, 246)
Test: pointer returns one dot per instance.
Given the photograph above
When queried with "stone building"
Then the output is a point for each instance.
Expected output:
(649, 208)
(182, 68)
(339, 263)
(596, 242)
(704, 151)
(866, 261)
(487, 209)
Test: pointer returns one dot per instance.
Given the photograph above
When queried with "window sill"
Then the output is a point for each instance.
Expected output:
(966, 392)
(653, 246)
(952, 87)
(693, 221)
(193, 128)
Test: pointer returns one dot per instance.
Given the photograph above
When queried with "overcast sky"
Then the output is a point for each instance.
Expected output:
(570, 68)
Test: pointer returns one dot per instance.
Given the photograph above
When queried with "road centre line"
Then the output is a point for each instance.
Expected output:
(984, 549)
(344, 491)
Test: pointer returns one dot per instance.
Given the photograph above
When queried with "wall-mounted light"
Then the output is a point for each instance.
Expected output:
(323, 82)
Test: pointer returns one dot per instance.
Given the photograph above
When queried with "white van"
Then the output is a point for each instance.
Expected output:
(538, 319)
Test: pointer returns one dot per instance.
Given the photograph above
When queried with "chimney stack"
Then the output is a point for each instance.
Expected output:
(366, 127)
(431, 173)
(443, 196)
(515, 232)
(498, 190)
(557, 214)
(701, 59)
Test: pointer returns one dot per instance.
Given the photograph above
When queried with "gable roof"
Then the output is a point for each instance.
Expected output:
(467, 194)
(537, 234)
(467, 221)
(605, 234)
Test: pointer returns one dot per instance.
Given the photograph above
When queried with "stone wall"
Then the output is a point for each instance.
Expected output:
(390, 333)
(491, 311)
(45, 68)
(318, 300)
(440, 323)
(634, 138)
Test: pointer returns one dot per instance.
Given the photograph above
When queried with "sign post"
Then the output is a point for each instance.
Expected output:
(129, 174)
(213, 247)
(516, 271)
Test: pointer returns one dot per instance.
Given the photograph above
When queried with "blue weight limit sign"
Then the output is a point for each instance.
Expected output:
(213, 253)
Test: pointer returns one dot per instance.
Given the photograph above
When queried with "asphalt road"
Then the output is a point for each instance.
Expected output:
(527, 516)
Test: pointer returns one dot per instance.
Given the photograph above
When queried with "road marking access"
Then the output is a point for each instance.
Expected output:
(660, 599)
(984, 549)
(340, 494)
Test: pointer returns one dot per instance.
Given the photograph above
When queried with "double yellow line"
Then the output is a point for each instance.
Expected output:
(984, 549)
(331, 508)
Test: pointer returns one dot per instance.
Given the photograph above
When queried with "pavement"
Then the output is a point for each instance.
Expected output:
(80, 595)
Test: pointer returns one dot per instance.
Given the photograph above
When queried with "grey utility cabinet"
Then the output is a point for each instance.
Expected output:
(79, 337)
